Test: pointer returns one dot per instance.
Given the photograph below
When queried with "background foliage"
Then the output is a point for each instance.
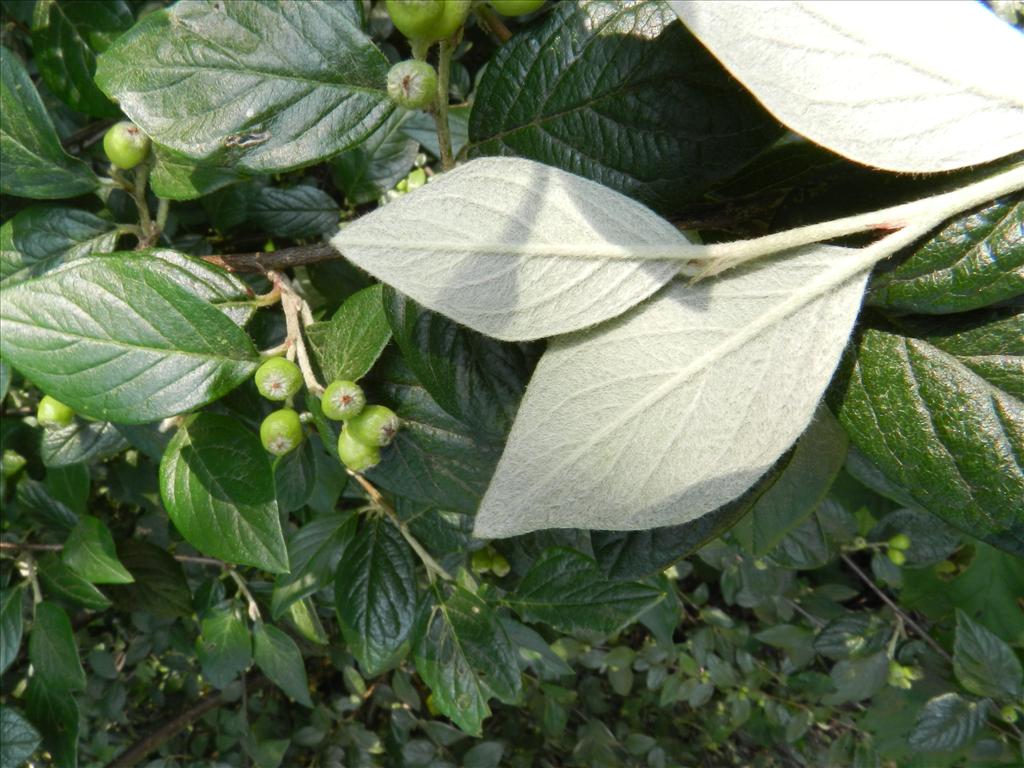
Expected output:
(154, 569)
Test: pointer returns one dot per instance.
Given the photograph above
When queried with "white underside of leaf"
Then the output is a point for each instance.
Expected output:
(904, 86)
(678, 407)
(516, 249)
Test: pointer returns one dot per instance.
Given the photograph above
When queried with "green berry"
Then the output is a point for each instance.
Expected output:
(453, 16)
(126, 145)
(900, 541)
(12, 463)
(356, 455)
(860, 542)
(1008, 714)
(516, 7)
(375, 425)
(278, 378)
(416, 19)
(412, 84)
(53, 413)
(342, 400)
(897, 557)
(281, 432)
(500, 567)
(481, 561)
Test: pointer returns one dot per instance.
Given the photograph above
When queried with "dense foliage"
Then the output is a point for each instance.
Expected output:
(241, 476)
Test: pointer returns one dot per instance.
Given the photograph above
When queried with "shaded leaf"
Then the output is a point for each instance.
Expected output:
(37, 239)
(984, 664)
(160, 587)
(948, 722)
(52, 650)
(224, 646)
(89, 551)
(18, 739)
(279, 658)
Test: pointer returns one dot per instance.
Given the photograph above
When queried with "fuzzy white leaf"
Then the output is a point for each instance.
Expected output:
(679, 406)
(904, 86)
(516, 249)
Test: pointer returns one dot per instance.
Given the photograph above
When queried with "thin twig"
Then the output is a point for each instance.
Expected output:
(491, 21)
(869, 582)
(262, 262)
(295, 311)
(243, 588)
(444, 134)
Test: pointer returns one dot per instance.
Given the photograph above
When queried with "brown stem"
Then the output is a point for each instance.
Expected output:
(493, 22)
(138, 751)
(285, 258)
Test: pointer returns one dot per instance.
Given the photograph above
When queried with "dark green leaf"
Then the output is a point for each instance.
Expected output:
(804, 547)
(66, 36)
(534, 651)
(32, 163)
(486, 754)
(301, 211)
(52, 650)
(269, 86)
(89, 551)
(376, 165)
(198, 277)
(18, 739)
(814, 464)
(375, 594)
(79, 442)
(177, 177)
(295, 477)
(314, 552)
(69, 485)
(851, 635)
(218, 488)
(114, 338)
(977, 259)
(280, 659)
(464, 655)
(60, 581)
(930, 411)
(949, 722)
(349, 344)
(55, 714)
(10, 625)
(984, 664)
(38, 239)
(160, 587)
(35, 501)
(421, 128)
(478, 380)
(224, 646)
(623, 94)
(857, 679)
(567, 590)
(930, 539)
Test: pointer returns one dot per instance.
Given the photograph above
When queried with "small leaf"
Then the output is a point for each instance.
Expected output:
(515, 249)
(35, 500)
(857, 679)
(279, 658)
(301, 211)
(984, 664)
(69, 485)
(314, 551)
(349, 343)
(89, 551)
(80, 442)
(375, 594)
(464, 655)
(160, 587)
(10, 626)
(948, 722)
(218, 488)
(196, 78)
(847, 77)
(114, 338)
(295, 477)
(33, 163)
(52, 650)
(224, 647)
(38, 239)
(378, 163)
(61, 582)
(55, 714)
(18, 739)
(565, 589)
(678, 407)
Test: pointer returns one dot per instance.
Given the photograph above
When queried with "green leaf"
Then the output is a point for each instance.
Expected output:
(622, 94)
(66, 36)
(60, 581)
(115, 339)
(35, 500)
(421, 128)
(567, 590)
(302, 614)
(178, 177)
(33, 163)
(18, 739)
(52, 650)
(930, 410)
(268, 87)
(69, 485)
(160, 587)
(198, 277)
(976, 260)
(218, 488)
(314, 551)
(38, 239)
(10, 625)
(814, 464)
(376, 165)
(948, 722)
(55, 714)
(465, 657)
(89, 551)
(280, 659)
(931, 541)
(375, 595)
(224, 646)
(347, 346)
(478, 380)
(80, 442)
(301, 211)
(851, 635)
(434, 459)
(295, 477)
(984, 664)
(858, 678)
